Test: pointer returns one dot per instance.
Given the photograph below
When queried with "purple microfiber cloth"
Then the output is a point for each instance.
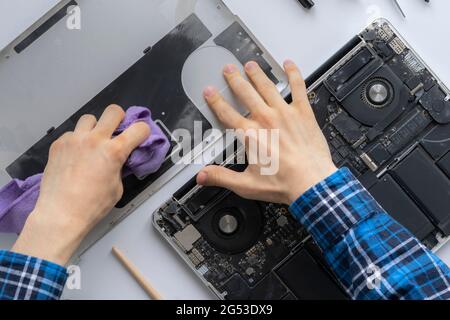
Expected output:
(150, 155)
(18, 198)
(17, 201)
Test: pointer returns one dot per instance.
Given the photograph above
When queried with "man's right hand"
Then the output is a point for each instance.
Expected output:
(303, 153)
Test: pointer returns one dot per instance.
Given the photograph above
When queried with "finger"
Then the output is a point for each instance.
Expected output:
(224, 112)
(244, 90)
(133, 137)
(216, 176)
(298, 86)
(86, 123)
(265, 87)
(110, 120)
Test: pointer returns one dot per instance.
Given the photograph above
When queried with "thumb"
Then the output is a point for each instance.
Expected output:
(216, 176)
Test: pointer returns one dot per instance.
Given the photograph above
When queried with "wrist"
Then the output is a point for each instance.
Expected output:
(54, 240)
(302, 185)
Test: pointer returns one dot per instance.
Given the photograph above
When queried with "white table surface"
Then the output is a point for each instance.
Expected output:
(287, 31)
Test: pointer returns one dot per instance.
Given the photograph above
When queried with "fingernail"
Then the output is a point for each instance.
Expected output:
(230, 68)
(252, 65)
(289, 63)
(202, 178)
(209, 92)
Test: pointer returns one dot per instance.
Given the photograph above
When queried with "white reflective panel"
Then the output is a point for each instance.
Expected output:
(61, 71)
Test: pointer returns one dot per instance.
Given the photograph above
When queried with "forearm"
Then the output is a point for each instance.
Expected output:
(27, 278)
(373, 256)
(33, 269)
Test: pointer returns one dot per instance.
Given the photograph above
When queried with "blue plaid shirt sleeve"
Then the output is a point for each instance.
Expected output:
(372, 255)
(28, 278)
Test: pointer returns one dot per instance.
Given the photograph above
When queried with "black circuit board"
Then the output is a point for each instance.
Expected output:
(367, 136)
(279, 235)
(382, 109)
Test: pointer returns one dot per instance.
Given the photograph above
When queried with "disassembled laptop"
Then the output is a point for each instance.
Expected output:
(386, 116)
